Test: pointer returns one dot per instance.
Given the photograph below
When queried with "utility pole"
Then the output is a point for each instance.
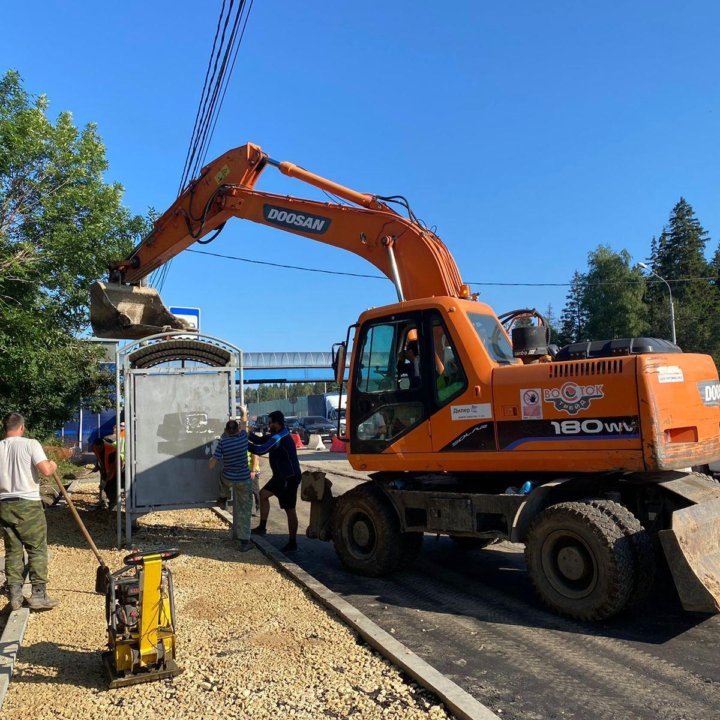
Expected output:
(644, 266)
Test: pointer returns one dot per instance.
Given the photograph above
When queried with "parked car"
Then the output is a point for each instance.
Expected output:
(315, 425)
(291, 422)
(260, 425)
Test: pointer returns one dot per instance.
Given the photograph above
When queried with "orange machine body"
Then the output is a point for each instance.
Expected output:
(621, 413)
(627, 413)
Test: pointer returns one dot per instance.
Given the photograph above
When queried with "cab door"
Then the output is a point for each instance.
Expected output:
(389, 399)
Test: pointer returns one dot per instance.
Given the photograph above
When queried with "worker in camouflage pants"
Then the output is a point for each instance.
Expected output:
(22, 516)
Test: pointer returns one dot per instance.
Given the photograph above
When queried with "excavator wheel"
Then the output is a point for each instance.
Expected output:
(642, 546)
(580, 561)
(366, 532)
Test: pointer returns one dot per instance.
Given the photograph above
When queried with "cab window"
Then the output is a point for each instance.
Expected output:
(493, 337)
(450, 379)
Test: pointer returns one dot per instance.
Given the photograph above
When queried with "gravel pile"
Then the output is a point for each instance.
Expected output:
(251, 643)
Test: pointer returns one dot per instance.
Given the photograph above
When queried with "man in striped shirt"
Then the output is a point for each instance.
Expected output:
(232, 449)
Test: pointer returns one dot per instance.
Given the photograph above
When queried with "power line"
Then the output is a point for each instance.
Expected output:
(484, 284)
(229, 33)
(287, 267)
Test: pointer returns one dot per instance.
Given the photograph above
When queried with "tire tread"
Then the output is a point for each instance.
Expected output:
(618, 554)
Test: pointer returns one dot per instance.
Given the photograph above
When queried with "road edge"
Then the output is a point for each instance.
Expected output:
(463, 705)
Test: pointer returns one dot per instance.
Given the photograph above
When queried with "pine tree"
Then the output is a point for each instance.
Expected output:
(553, 323)
(678, 256)
(574, 318)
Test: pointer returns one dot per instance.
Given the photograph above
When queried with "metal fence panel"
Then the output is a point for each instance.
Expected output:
(176, 418)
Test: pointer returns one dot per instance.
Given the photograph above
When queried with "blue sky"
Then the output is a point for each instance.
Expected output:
(528, 133)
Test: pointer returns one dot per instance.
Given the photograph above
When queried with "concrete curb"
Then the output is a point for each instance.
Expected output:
(10, 643)
(12, 637)
(463, 705)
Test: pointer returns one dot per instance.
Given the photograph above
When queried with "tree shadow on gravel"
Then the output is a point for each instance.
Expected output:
(193, 539)
(68, 666)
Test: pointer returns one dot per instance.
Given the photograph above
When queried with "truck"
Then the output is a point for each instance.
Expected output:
(584, 454)
(330, 405)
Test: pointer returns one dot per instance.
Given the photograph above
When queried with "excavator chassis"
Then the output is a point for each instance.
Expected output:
(690, 541)
(130, 312)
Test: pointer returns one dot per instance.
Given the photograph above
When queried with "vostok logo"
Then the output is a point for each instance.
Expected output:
(305, 222)
(573, 398)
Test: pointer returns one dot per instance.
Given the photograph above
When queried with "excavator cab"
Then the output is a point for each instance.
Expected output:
(130, 312)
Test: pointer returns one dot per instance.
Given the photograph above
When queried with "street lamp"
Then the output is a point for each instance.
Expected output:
(672, 306)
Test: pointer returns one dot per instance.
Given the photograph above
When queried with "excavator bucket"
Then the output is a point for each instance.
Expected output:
(126, 312)
(692, 543)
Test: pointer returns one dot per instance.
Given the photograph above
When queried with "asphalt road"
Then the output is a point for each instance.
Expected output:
(474, 616)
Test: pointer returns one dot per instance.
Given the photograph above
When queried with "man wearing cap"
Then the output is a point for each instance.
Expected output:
(232, 449)
(22, 517)
(285, 480)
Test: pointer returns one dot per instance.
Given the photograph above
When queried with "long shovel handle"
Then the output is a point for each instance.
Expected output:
(78, 520)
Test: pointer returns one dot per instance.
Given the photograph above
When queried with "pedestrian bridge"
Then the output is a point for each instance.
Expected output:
(282, 360)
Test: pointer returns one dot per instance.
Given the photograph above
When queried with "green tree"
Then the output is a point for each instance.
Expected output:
(678, 256)
(573, 319)
(612, 298)
(60, 225)
(553, 322)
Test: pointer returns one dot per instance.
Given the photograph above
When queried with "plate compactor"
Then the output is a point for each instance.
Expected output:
(140, 614)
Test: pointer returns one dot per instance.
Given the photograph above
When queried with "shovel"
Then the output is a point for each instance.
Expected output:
(102, 575)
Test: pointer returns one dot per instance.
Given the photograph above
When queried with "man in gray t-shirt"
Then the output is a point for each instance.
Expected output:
(22, 517)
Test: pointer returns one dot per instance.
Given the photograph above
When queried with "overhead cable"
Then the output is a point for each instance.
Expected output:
(484, 284)
(229, 33)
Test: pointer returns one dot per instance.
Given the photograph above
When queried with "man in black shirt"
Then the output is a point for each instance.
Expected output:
(285, 480)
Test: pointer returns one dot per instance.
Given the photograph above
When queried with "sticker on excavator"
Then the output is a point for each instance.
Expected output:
(126, 312)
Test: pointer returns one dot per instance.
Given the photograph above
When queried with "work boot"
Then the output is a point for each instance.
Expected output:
(259, 530)
(246, 545)
(15, 596)
(291, 546)
(40, 600)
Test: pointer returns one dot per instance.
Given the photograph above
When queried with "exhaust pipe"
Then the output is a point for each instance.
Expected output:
(129, 312)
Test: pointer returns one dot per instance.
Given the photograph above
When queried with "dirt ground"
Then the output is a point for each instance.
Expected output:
(252, 644)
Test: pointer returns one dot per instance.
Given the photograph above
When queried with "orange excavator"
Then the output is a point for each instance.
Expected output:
(472, 427)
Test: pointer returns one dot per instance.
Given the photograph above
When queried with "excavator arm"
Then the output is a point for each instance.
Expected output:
(411, 256)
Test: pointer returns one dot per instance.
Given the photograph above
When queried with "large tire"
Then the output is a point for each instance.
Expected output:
(580, 561)
(366, 532)
(642, 547)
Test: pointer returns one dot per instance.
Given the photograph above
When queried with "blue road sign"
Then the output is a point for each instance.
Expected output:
(190, 314)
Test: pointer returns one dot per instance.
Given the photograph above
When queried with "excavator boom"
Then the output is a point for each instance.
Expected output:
(412, 257)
